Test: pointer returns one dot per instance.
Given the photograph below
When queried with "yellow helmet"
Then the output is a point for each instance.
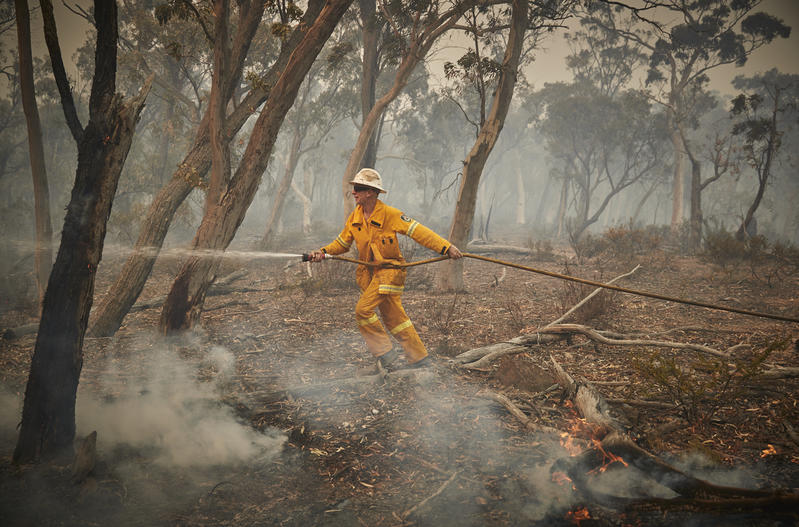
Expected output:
(368, 177)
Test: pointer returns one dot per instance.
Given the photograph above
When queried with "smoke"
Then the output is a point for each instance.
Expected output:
(167, 412)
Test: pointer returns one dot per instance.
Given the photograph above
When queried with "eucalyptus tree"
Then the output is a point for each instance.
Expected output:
(603, 144)
(48, 413)
(484, 75)
(707, 34)
(222, 218)
(414, 28)
(288, 25)
(764, 109)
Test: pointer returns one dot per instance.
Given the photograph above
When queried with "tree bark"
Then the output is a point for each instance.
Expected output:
(185, 299)
(369, 73)
(220, 150)
(677, 180)
(451, 274)
(190, 173)
(43, 255)
(283, 189)
(48, 414)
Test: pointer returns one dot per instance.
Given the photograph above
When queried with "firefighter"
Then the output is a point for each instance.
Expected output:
(373, 226)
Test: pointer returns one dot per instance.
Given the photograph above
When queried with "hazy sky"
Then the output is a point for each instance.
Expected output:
(549, 65)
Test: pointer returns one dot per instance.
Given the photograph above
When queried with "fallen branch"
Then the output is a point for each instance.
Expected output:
(517, 412)
(598, 337)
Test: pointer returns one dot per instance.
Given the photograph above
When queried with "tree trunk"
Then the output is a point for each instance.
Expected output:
(48, 414)
(283, 189)
(642, 202)
(43, 259)
(306, 208)
(185, 299)
(220, 149)
(521, 199)
(369, 74)
(190, 173)
(677, 182)
(696, 201)
(562, 206)
(451, 274)
(763, 173)
(372, 119)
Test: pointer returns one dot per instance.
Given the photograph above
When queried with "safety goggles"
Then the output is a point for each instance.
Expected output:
(360, 188)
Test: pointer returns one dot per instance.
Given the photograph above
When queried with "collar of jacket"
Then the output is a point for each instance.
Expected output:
(377, 218)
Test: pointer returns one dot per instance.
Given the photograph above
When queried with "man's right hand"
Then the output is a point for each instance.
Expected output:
(316, 256)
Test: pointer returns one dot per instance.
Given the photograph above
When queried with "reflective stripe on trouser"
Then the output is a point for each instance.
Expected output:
(394, 318)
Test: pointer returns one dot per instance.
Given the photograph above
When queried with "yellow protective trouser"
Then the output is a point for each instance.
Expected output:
(394, 318)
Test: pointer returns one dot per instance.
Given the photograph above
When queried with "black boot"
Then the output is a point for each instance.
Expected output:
(388, 361)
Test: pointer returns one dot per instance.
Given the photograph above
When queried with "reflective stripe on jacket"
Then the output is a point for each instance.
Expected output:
(376, 241)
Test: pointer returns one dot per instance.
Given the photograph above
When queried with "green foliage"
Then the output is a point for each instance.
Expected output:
(701, 387)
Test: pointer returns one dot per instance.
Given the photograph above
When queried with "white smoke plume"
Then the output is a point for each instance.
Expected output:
(168, 412)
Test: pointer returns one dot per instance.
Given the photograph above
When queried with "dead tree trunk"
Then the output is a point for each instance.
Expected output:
(48, 414)
(185, 299)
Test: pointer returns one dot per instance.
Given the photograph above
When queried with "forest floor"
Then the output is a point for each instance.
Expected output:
(243, 423)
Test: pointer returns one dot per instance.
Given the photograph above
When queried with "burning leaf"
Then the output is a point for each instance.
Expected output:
(770, 451)
(576, 516)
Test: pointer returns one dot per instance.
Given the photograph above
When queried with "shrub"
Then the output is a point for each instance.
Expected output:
(700, 387)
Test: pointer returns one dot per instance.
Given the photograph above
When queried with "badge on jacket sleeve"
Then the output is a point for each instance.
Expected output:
(405, 218)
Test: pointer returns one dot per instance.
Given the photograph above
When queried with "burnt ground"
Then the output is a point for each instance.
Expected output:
(242, 437)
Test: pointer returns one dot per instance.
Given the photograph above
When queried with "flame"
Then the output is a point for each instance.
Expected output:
(568, 443)
(770, 451)
(576, 516)
(608, 458)
(562, 479)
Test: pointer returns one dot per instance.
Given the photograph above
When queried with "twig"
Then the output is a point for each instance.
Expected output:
(436, 493)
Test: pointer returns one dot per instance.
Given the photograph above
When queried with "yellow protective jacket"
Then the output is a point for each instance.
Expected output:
(376, 241)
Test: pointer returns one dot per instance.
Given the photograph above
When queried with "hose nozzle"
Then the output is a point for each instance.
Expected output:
(306, 257)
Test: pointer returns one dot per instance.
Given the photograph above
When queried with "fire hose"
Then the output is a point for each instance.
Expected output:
(404, 265)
